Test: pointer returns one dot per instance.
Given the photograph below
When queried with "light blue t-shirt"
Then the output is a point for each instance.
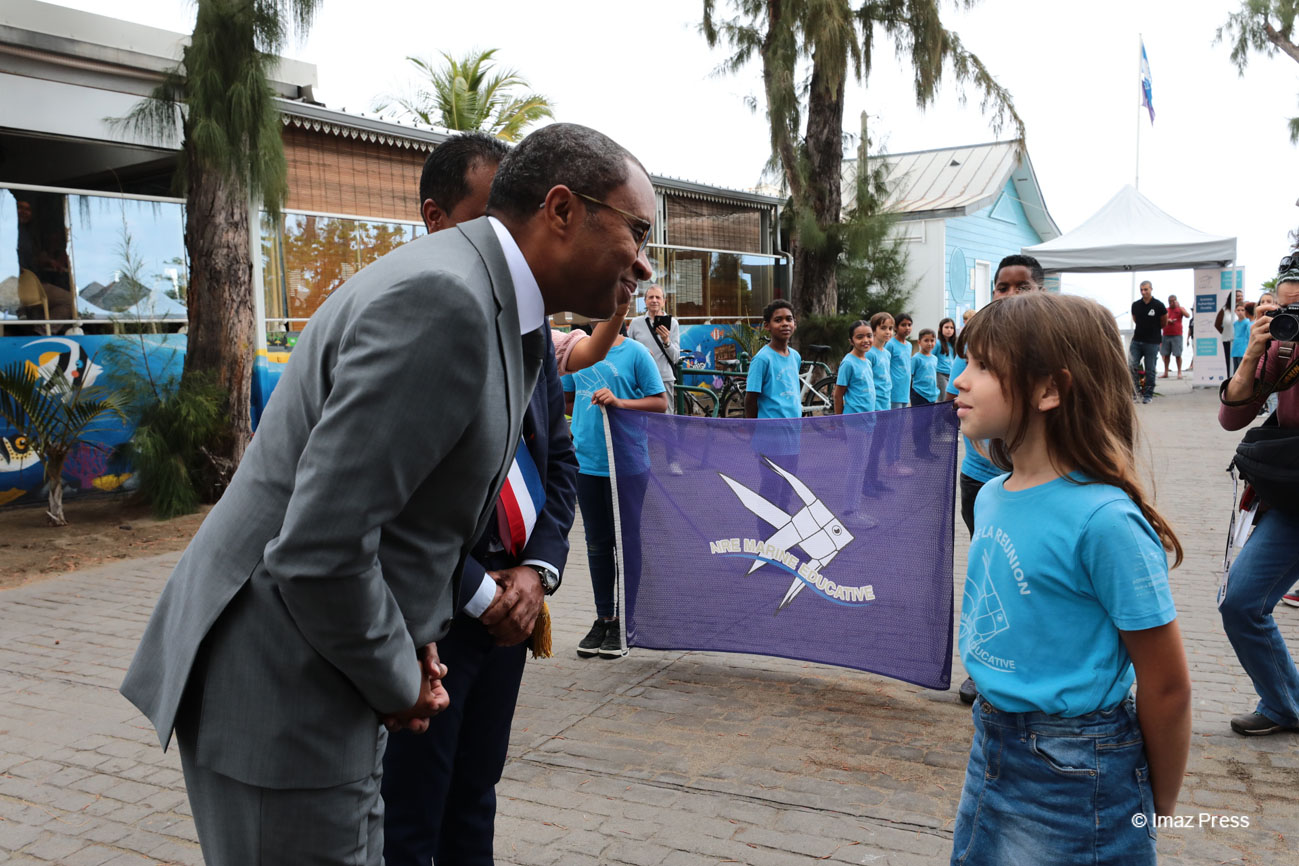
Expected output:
(1240, 337)
(880, 359)
(924, 376)
(858, 376)
(945, 358)
(630, 373)
(1055, 572)
(774, 378)
(900, 370)
(974, 465)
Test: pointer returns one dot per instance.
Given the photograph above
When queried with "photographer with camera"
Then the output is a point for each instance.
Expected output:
(1268, 459)
(659, 332)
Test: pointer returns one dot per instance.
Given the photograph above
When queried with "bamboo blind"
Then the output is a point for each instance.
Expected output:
(332, 174)
(712, 225)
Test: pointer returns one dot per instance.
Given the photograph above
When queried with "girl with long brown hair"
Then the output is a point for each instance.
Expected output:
(1066, 594)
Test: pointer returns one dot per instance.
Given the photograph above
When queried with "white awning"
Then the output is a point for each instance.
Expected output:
(1131, 234)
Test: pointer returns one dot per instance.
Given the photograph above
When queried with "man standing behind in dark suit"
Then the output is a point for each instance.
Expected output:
(439, 788)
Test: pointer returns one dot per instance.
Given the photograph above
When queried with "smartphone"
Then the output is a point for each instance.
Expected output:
(665, 320)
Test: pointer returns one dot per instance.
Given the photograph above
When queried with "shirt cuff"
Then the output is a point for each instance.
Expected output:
(482, 599)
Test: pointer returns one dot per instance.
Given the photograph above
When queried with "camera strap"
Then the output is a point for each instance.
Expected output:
(1262, 388)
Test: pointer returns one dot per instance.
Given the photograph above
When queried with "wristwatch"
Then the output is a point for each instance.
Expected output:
(550, 579)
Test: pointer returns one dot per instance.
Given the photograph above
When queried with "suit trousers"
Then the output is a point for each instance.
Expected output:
(439, 787)
(245, 825)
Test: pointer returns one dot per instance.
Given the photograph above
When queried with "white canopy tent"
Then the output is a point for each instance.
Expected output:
(1131, 234)
(156, 305)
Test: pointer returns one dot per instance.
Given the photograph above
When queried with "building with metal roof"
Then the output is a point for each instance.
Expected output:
(961, 210)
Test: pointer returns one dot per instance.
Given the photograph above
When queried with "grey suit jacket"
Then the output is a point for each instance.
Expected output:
(294, 615)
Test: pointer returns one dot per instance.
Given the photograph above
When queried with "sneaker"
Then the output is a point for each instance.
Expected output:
(1258, 725)
(589, 646)
(1291, 598)
(611, 647)
(1147, 399)
(968, 691)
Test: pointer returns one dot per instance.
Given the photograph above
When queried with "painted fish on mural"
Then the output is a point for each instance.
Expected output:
(71, 360)
(16, 454)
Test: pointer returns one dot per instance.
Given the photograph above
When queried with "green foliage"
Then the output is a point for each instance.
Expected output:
(464, 95)
(747, 337)
(54, 415)
(829, 331)
(872, 268)
(1262, 27)
(171, 449)
(221, 96)
(805, 111)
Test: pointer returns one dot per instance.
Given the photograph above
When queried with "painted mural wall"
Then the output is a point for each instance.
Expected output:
(97, 465)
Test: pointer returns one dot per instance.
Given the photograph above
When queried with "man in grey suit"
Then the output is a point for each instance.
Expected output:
(304, 611)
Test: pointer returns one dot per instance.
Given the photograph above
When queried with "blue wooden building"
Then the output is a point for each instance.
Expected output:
(961, 210)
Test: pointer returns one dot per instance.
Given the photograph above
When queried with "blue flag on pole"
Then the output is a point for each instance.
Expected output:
(822, 539)
(1145, 83)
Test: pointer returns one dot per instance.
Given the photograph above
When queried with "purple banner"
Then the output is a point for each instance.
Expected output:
(822, 539)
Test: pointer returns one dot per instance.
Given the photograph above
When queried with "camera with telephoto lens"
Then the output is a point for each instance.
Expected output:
(1285, 323)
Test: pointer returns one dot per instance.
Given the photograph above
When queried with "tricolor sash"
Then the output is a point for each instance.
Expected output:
(520, 502)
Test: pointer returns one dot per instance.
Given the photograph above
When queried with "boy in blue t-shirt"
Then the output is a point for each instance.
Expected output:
(924, 371)
(900, 361)
(773, 388)
(1240, 333)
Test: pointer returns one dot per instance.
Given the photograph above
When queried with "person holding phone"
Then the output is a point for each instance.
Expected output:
(658, 332)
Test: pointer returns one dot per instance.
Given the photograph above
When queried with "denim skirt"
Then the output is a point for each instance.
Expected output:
(1043, 789)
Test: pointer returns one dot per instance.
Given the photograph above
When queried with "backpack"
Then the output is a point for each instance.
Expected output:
(1268, 458)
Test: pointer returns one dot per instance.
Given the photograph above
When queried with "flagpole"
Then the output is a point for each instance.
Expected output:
(1136, 174)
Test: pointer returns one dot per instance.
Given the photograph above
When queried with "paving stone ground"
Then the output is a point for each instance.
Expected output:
(659, 759)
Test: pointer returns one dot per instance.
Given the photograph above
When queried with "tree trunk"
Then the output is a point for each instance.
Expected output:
(220, 297)
(54, 479)
(815, 290)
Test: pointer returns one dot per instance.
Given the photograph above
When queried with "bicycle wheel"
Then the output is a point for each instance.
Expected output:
(819, 400)
(698, 405)
(733, 403)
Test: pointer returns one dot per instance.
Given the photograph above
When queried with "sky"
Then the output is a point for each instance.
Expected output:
(1217, 157)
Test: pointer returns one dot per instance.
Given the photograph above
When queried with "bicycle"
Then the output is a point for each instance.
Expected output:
(707, 402)
(816, 383)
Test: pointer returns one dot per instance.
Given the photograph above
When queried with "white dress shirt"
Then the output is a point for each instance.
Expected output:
(532, 315)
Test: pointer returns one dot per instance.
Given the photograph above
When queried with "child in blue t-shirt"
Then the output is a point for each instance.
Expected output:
(854, 387)
(900, 361)
(1240, 333)
(924, 371)
(773, 389)
(1059, 771)
(627, 378)
(946, 353)
(881, 336)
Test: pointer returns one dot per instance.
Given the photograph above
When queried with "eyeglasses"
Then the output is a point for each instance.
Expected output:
(640, 228)
(1290, 262)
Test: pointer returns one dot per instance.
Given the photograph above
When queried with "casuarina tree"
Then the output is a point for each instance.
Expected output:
(1265, 27)
(809, 49)
(232, 155)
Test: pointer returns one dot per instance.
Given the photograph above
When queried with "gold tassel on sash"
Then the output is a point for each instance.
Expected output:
(541, 643)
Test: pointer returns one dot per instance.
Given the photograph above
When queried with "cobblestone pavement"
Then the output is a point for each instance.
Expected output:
(666, 758)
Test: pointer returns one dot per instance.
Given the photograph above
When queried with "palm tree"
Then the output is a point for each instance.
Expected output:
(231, 154)
(464, 95)
(53, 415)
(833, 35)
